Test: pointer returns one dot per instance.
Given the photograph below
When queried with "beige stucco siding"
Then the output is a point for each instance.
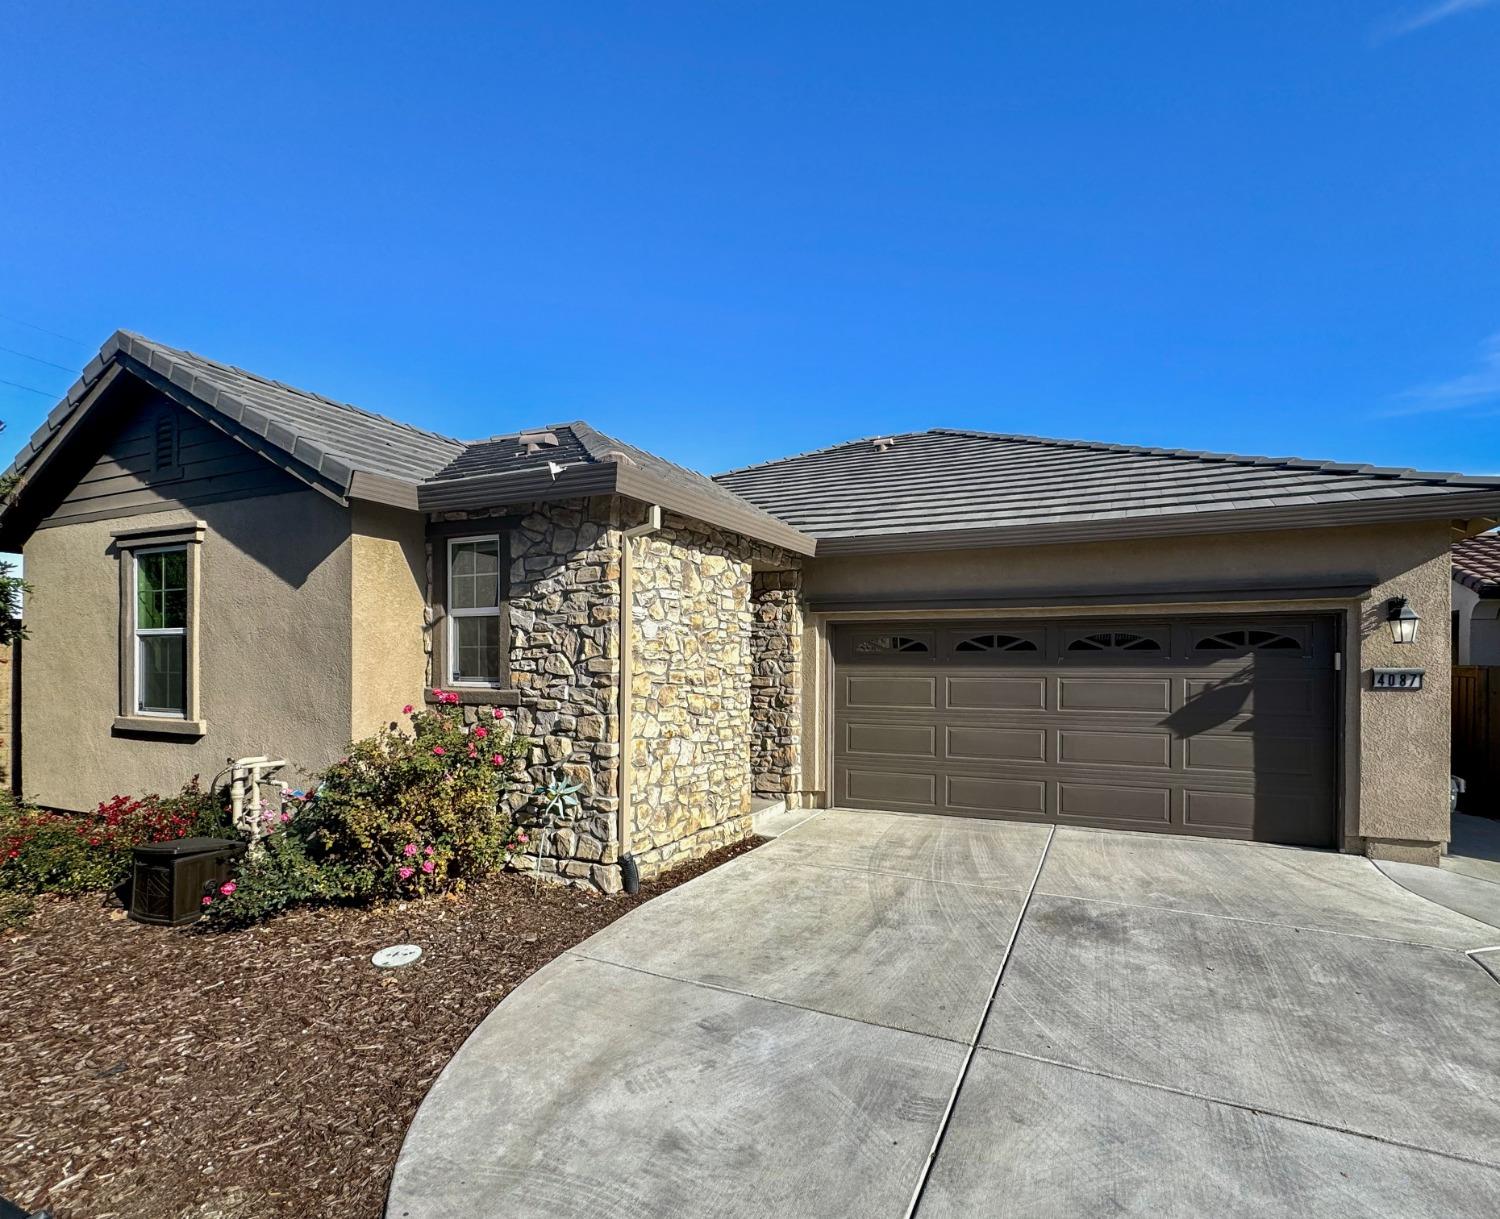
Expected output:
(274, 650)
(1395, 771)
(388, 590)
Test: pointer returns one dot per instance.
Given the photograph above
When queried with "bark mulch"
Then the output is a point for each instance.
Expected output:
(256, 1074)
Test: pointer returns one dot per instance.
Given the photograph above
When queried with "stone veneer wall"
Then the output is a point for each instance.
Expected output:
(564, 662)
(776, 685)
(691, 714)
(692, 688)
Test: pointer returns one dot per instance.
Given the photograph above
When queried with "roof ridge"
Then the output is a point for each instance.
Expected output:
(296, 389)
(1243, 459)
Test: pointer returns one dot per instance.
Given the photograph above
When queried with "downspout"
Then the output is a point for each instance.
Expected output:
(630, 875)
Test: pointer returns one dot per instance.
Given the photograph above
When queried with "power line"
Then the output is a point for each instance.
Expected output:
(43, 330)
(27, 356)
(31, 389)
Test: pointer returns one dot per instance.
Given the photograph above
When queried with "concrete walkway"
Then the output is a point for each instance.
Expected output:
(1180, 1027)
(1468, 878)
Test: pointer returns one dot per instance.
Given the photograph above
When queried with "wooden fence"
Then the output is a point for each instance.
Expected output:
(1476, 731)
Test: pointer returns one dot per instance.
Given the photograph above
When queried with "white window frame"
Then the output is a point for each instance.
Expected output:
(478, 612)
(157, 632)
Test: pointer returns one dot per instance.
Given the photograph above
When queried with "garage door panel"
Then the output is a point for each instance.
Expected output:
(995, 693)
(978, 743)
(1021, 797)
(1225, 728)
(881, 739)
(1114, 694)
(1115, 748)
(1134, 806)
(891, 786)
(900, 691)
(1250, 753)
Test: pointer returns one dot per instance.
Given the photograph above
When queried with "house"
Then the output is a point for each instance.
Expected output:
(949, 622)
(1476, 600)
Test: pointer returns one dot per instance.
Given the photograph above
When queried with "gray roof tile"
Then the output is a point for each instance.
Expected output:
(945, 482)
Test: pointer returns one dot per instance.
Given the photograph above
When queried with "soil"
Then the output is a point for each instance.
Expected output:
(272, 1072)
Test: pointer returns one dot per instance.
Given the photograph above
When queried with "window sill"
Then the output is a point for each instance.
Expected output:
(153, 725)
(478, 696)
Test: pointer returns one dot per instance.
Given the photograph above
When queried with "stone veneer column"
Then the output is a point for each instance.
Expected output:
(776, 685)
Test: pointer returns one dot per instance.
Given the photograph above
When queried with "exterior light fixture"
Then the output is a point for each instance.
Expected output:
(1403, 620)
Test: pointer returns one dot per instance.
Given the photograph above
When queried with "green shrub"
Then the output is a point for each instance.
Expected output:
(46, 852)
(15, 909)
(402, 815)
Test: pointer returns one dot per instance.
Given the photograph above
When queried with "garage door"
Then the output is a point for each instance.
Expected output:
(1221, 727)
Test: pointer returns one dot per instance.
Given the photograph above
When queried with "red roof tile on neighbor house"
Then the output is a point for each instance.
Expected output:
(1476, 563)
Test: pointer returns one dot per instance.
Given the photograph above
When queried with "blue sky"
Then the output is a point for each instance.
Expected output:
(729, 231)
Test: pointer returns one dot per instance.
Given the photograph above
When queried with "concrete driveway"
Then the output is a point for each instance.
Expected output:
(1180, 1027)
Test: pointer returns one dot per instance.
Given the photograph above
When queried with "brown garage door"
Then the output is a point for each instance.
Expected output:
(1218, 726)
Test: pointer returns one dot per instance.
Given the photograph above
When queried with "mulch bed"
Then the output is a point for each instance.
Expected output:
(269, 1072)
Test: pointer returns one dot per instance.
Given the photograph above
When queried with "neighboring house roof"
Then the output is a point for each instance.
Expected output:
(1476, 563)
(349, 453)
(951, 487)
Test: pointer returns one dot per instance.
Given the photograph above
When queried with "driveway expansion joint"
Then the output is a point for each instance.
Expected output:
(963, 1070)
(1478, 1162)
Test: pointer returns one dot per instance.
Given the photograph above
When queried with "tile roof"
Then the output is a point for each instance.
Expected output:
(951, 487)
(333, 443)
(1476, 563)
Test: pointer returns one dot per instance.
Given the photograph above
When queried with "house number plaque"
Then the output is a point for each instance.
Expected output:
(1396, 679)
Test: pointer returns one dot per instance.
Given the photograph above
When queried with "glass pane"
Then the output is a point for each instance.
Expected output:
(161, 590)
(474, 578)
(162, 685)
(476, 649)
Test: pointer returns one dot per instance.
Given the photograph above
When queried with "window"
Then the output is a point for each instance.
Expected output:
(1115, 641)
(891, 643)
(1260, 641)
(474, 627)
(161, 631)
(995, 643)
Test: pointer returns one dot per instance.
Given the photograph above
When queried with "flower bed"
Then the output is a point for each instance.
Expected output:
(260, 1073)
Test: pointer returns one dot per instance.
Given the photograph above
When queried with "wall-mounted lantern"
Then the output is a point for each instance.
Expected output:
(1403, 620)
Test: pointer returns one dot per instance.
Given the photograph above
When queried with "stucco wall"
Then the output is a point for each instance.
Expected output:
(1396, 766)
(274, 651)
(388, 595)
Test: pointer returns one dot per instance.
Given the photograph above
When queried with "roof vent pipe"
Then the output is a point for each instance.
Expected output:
(630, 875)
(882, 443)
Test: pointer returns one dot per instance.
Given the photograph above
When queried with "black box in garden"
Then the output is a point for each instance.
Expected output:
(168, 880)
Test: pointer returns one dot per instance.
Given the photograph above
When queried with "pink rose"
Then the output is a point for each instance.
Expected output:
(228, 887)
(427, 851)
(405, 873)
(406, 710)
(439, 750)
(498, 760)
(498, 712)
(208, 901)
(481, 732)
(409, 849)
(428, 865)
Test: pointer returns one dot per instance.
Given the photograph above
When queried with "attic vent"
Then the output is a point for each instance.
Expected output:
(883, 443)
(164, 444)
(535, 442)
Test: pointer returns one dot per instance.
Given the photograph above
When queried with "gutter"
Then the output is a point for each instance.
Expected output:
(629, 873)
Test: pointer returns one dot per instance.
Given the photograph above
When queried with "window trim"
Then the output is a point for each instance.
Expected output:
(131, 544)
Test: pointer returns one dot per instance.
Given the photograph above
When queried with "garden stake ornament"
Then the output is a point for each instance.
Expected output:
(561, 796)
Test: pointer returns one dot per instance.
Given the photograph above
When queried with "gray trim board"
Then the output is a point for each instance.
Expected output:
(1350, 588)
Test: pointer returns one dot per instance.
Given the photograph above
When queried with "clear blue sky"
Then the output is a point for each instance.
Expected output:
(729, 231)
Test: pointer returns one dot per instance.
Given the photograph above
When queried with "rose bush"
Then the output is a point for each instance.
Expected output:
(47, 852)
(403, 814)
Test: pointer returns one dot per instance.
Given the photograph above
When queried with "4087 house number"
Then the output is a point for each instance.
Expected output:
(1396, 679)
